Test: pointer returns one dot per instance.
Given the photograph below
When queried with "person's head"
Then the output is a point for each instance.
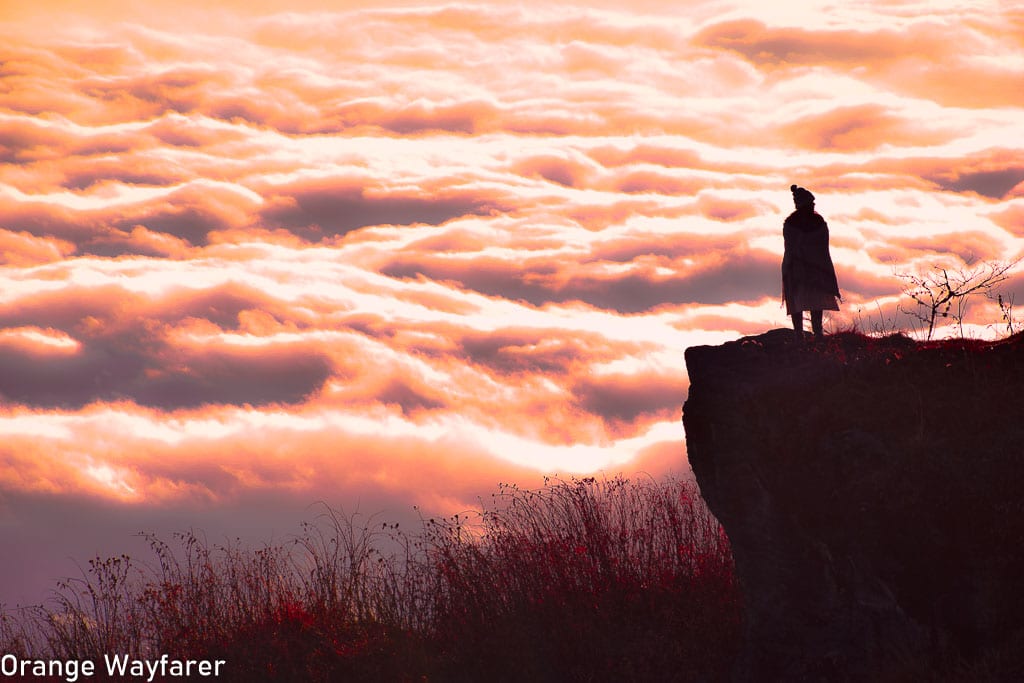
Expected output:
(802, 198)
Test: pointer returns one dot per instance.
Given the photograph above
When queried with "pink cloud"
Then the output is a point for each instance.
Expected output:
(24, 249)
(916, 60)
(569, 172)
(316, 209)
(1011, 219)
(861, 127)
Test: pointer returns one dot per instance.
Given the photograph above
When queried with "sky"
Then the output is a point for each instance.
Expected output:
(255, 255)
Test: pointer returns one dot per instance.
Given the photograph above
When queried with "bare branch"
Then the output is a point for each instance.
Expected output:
(935, 293)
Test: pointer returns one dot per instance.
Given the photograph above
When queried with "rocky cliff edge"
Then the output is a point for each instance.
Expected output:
(873, 493)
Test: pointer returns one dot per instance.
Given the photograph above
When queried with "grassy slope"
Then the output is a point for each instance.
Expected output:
(577, 581)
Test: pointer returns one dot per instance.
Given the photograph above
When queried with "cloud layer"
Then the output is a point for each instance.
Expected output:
(253, 253)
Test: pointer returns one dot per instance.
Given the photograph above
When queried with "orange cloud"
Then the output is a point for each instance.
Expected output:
(916, 60)
(859, 127)
(321, 208)
(1011, 218)
(24, 249)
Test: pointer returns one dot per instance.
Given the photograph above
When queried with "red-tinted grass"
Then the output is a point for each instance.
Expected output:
(587, 579)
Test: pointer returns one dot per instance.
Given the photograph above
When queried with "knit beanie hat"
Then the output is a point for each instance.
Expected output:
(801, 197)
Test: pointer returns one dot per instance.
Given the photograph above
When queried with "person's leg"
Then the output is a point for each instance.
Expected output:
(816, 324)
(798, 324)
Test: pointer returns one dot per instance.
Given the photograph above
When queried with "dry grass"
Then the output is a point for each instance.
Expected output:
(580, 580)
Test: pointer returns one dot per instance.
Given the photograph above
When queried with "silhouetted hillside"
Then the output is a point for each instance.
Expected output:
(871, 492)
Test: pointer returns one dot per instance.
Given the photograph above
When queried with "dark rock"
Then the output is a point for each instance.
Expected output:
(871, 491)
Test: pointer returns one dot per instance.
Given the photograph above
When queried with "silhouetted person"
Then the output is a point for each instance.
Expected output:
(808, 276)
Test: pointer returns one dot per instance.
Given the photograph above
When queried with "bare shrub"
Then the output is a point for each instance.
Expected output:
(944, 293)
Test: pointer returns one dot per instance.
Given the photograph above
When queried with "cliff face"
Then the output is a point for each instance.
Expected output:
(872, 493)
